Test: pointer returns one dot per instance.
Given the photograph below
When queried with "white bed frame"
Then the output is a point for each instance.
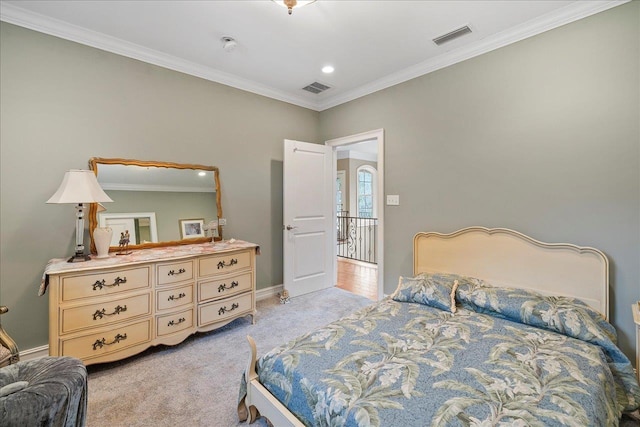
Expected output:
(500, 256)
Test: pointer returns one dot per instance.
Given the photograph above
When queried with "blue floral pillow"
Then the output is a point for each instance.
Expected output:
(568, 316)
(435, 290)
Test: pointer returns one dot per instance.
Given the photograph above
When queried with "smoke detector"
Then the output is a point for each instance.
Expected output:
(228, 43)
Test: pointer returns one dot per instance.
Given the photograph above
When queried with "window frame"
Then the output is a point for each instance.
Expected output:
(374, 188)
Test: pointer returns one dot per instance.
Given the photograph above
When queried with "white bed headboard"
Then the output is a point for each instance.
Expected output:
(507, 258)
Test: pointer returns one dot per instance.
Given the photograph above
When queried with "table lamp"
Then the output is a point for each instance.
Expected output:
(79, 187)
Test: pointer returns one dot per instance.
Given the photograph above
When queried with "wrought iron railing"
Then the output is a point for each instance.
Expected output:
(357, 238)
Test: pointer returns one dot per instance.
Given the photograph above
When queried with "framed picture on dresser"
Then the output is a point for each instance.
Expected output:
(191, 228)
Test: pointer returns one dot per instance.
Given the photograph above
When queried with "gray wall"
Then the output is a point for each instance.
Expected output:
(62, 103)
(541, 136)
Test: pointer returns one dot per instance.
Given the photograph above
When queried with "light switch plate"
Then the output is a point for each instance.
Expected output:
(393, 200)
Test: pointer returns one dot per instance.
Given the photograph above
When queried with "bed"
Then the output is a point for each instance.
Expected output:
(492, 328)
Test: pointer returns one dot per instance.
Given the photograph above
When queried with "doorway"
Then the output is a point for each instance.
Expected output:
(358, 210)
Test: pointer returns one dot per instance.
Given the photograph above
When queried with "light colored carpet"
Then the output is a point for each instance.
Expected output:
(196, 383)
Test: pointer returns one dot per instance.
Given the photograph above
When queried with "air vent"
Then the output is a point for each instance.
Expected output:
(459, 32)
(316, 87)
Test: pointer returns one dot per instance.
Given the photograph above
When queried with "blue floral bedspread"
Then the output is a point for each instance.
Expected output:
(407, 364)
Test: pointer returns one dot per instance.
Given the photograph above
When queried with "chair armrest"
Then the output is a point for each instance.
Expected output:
(8, 343)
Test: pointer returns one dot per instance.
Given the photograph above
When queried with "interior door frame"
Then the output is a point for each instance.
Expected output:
(378, 135)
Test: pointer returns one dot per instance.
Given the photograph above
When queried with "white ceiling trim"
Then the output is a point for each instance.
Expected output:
(24, 18)
(358, 155)
(566, 15)
(44, 24)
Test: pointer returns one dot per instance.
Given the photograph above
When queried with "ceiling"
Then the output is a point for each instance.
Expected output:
(371, 44)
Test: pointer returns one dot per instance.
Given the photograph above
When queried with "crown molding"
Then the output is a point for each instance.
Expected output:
(573, 12)
(54, 27)
(566, 15)
(357, 155)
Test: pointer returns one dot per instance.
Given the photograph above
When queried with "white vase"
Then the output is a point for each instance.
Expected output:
(102, 238)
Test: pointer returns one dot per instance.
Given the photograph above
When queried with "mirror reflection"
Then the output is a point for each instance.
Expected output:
(141, 226)
(154, 201)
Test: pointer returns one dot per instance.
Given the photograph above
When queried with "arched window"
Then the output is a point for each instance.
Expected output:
(367, 191)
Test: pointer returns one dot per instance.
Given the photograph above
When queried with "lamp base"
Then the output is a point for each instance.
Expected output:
(79, 258)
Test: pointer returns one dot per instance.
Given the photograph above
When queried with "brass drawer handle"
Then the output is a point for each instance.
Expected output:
(99, 284)
(180, 320)
(223, 264)
(175, 273)
(224, 309)
(224, 286)
(101, 313)
(100, 343)
(175, 298)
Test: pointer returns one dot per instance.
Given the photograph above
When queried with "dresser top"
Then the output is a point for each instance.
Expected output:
(60, 265)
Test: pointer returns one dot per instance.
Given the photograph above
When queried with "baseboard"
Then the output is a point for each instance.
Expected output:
(34, 353)
(43, 350)
(270, 292)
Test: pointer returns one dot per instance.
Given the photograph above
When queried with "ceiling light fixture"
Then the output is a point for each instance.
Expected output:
(327, 69)
(291, 4)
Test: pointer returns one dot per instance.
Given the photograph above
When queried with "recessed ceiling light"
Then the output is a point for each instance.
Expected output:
(327, 69)
(202, 173)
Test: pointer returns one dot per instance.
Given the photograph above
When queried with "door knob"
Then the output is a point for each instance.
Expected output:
(289, 227)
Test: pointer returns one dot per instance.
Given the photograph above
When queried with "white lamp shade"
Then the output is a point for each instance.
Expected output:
(79, 186)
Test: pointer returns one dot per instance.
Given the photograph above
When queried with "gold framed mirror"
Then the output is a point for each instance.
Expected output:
(159, 203)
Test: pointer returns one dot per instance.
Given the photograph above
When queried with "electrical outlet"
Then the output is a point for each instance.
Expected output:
(222, 221)
(393, 200)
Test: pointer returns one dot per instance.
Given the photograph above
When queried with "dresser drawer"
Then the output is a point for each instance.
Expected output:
(175, 322)
(230, 285)
(102, 313)
(174, 297)
(222, 264)
(175, 272)
(222, 310)
(104, 283)
(100, 343)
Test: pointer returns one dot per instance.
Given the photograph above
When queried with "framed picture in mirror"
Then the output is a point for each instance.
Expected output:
(191, 228)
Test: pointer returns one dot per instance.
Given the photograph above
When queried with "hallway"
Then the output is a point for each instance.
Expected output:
(358, 277)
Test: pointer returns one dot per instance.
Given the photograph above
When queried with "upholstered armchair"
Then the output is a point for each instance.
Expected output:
(45, 392)
(8, 348)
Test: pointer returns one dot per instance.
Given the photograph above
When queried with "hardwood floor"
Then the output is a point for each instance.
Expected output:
(360, 278)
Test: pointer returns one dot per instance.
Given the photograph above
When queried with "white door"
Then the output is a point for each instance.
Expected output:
(309, 234)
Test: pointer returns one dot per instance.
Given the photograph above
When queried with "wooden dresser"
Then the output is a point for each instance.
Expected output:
(108, 309)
